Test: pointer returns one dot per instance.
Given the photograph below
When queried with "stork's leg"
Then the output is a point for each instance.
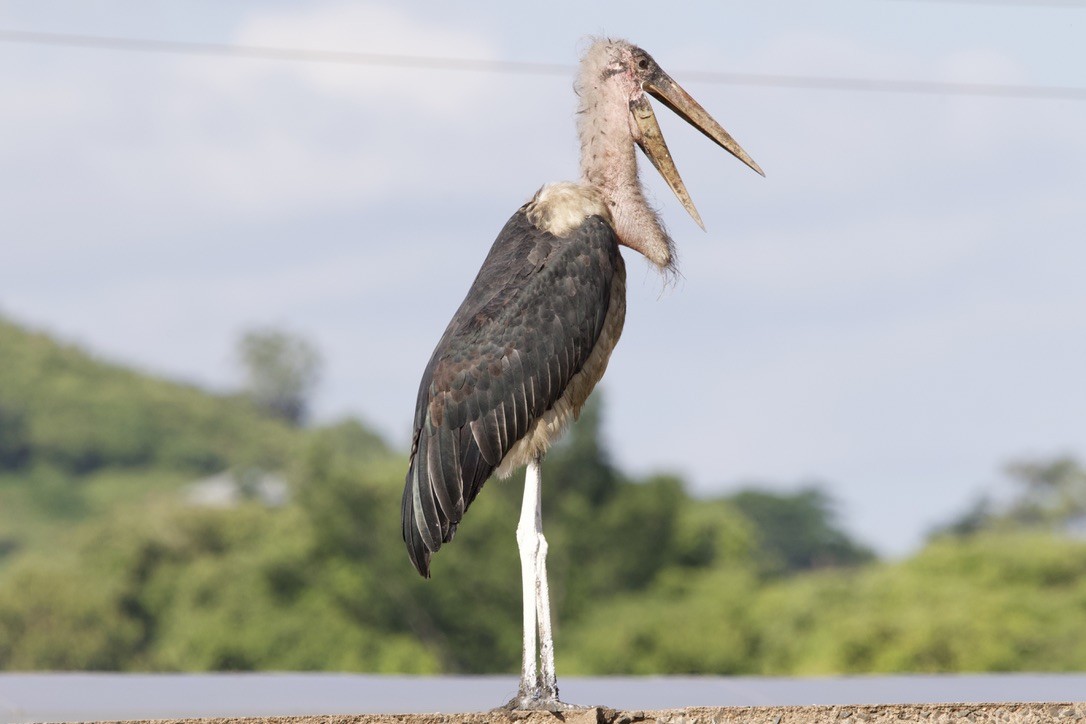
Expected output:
(529, 551)
(548, 682)
(538, 687)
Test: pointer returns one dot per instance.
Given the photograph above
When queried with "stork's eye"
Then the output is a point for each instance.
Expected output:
(642, 64)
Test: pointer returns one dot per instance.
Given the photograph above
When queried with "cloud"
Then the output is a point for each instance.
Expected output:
(222, 135)
(376, 29)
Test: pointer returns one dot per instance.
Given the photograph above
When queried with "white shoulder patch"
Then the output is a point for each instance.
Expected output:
(560, 208)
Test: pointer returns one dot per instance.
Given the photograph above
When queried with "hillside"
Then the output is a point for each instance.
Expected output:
(106, 564)
(79, 437)
(60, 406)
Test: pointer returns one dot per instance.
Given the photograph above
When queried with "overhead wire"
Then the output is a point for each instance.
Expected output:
(1065, 4)
(766, 80)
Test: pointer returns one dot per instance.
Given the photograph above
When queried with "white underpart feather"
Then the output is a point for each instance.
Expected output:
(562, 207)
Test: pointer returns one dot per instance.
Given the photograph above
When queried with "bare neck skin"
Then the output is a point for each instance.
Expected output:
(608, 164)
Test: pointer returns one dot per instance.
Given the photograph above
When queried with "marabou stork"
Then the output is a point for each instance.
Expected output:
(533, 336)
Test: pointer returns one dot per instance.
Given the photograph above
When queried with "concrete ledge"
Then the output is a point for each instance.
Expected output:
(925, 714)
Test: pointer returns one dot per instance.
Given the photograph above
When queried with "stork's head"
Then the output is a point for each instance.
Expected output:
(616, 79)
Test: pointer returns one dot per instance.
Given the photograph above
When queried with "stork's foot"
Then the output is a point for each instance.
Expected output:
(519, 703)
(539, 699)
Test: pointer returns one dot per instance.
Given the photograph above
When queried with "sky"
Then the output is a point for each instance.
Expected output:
(896, 311)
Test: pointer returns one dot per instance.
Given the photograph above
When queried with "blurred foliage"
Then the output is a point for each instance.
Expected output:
(106, 564)
(993, 603)
(798, 531)
(1047, 495)
(281, 370)
(63, 408)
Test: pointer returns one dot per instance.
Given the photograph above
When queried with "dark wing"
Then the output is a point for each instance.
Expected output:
(526, 327)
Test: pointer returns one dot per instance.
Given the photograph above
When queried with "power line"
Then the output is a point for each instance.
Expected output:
(990, 90)
(885, 85)
(1068, 4)
(288, 54)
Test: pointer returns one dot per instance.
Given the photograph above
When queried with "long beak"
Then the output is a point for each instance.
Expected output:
(653, 144)
(671, 94)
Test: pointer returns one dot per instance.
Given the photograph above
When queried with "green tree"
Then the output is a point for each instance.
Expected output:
(466, 616)
(1048, 494)
(14, 437)
(611, 536)
(1051, 492)
(607, 533)
(281, 371)
(993, 602)
(59, 617)
(799, 531)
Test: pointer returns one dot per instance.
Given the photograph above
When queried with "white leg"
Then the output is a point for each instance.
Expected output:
(547, 679)
(538, 686)
(528, 543)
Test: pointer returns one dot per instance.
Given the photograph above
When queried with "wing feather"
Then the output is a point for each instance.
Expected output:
(484, 431)
(424, 506)
(443, 465)
(506, 357)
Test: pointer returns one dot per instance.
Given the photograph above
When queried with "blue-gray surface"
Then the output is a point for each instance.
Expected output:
(73, 697)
